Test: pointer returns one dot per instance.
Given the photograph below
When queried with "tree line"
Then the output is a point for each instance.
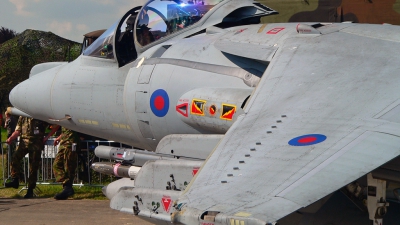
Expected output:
(6, 34)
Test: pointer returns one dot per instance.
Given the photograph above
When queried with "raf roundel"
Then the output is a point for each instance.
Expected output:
(306, 140)
(159, 103)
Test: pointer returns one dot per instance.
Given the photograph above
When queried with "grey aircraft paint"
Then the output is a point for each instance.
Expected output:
(243, 123)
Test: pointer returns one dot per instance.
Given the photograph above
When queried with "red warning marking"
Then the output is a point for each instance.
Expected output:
(197, 107)
(307, 140)
(212, 110)
(207, 223)
(302, 30)
(275, 30)
(120, 155)
(195, 170)
(166, 202)
(183, 109)
(159, 103)
(240, 31)
(116, 169)
(228, 111)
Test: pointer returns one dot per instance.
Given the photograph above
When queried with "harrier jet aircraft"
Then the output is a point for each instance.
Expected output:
(244, 123)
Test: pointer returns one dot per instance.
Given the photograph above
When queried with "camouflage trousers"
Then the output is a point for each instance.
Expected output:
(11, 149)
(65, 164)
(34, 149)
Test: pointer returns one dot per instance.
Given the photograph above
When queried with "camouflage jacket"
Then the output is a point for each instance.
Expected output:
(10, 125)
(68, 138)
(31, 129)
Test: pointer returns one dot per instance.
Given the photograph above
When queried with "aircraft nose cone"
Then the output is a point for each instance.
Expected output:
(18, 95)
(33, 96)
(13, 96)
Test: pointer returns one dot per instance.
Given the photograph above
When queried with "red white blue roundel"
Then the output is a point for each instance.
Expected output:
(159, 103)
(306, 140)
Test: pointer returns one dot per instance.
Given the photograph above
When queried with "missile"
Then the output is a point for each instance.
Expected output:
(116, 169)
(135, 157)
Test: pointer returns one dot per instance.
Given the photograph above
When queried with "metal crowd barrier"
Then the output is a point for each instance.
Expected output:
(85, 176)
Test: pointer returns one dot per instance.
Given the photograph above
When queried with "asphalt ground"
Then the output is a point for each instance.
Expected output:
(337, 211)
(43, 211)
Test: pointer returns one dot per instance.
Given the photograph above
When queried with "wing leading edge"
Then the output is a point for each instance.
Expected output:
(313, 125)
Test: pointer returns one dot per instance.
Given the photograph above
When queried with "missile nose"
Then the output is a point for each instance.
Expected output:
(33, 96)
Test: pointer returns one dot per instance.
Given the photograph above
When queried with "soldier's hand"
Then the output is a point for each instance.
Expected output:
(56, 142)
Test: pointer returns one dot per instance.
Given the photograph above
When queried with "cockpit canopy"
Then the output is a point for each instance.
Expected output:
(117, 42)
(155, 20)
(160, 18)
(102, 47)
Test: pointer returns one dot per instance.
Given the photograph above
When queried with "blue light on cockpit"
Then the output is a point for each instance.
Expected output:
(160, 18)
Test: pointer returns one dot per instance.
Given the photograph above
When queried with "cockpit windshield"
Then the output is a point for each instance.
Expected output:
(116, 42)
(160, 18)
(103, 46)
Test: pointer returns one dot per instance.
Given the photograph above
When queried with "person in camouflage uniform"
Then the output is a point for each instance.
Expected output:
(66, 161)
(31, 141)
(10, 124)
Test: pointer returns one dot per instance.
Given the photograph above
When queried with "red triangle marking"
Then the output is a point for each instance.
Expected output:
(166, 201)
(195, 170)
(183, 109)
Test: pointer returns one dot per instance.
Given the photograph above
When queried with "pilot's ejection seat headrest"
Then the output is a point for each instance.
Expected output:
(130, 23)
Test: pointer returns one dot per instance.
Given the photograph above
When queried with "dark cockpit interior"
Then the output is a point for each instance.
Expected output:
(117, 42)
(124, 39)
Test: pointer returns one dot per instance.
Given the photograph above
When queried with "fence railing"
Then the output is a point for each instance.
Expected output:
(84, 174)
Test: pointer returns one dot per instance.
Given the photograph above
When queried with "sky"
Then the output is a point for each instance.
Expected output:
(70, 19)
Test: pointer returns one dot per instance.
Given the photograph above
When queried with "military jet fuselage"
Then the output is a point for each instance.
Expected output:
(296, 111)
(136, 89)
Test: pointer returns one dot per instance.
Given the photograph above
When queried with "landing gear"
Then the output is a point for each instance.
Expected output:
(376, 200)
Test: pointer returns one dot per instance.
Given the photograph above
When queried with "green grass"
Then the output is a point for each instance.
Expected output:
(3, 135)
(48, 191)
(45, 190)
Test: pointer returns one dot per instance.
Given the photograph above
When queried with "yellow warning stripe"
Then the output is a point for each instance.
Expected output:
(262, 28)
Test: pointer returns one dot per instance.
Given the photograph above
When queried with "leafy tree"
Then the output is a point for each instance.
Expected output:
(19, 54)
(6, 34)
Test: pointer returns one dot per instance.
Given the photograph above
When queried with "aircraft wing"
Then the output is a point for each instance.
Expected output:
(325, 113)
